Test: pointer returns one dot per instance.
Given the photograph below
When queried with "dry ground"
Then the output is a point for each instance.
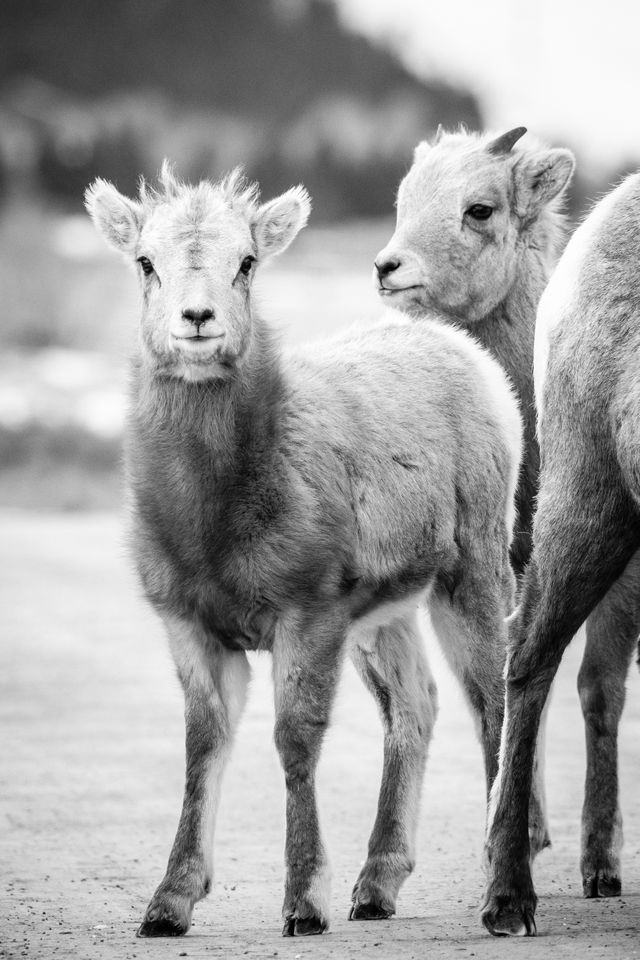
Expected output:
(91, 744)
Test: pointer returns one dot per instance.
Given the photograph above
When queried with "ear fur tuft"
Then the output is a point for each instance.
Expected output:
(279, 221)
(116, 217)
(542, 177)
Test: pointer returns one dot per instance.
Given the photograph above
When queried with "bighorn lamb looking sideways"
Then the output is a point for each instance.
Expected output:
(478, 229)
(305, 504)
(478, 225)
(585, 538)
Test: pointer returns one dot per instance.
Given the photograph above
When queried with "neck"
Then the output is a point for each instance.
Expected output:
(223, 418)
(508, 329)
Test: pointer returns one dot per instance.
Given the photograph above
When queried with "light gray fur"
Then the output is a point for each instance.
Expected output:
(586, 537)
(303, 503)
(485, 276)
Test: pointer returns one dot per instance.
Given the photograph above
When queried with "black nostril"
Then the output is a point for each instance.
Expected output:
(198, 316)
(387, 267)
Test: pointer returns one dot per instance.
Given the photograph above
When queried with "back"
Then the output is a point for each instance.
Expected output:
(421, 419)
(588, 325)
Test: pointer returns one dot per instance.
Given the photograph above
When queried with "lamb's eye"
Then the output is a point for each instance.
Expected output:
(246, 265)
(147, 266)
(480, 211)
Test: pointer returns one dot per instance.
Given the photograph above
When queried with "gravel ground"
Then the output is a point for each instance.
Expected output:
(91, 740)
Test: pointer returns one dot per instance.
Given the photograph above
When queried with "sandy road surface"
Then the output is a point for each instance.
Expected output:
(91, 741)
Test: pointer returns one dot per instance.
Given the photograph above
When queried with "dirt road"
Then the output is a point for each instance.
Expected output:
(91, 740)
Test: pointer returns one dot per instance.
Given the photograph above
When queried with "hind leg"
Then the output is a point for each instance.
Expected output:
(469, 623)
(612, 632)
(578, 554)
(393, 666)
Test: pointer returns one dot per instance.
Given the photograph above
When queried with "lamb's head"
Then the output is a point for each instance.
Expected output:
(196, 249)
(466, 208)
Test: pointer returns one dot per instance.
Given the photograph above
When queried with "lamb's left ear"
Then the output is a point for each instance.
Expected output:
(118, 218)
(540, 177)
(278, 221)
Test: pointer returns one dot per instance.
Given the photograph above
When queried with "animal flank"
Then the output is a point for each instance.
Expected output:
(304, 503)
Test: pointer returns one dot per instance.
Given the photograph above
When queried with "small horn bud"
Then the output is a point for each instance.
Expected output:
(504, 143)
(439, 134)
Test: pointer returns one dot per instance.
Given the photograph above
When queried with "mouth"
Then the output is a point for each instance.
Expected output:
(390, 291)
(201, 349)
(198, 337)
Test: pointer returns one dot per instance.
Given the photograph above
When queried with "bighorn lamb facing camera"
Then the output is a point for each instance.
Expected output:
(306, 504)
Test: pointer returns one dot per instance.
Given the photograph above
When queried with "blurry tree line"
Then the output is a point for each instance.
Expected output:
(90, 88)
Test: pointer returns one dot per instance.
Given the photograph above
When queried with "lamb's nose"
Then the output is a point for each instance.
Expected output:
(198, 316)
(386, 267)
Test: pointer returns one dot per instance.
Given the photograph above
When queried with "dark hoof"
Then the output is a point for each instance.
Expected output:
(502, 919)
(369, 911)
(161, 927)
(601, 885)
(303, 927)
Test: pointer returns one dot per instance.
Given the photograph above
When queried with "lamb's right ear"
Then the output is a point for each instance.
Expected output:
(118, 218)
(280, 220)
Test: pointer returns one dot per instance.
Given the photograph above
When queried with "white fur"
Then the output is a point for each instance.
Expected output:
(363, 631)
(505, 409)
(228, 685)
(562, 290)
(319, 891)
(210, 808)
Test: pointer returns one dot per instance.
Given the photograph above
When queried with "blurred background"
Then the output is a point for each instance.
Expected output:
(331, 93)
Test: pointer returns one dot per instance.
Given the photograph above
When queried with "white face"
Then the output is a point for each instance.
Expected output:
(454, 236)
(196, 276)
(196, 250)
(460, 215)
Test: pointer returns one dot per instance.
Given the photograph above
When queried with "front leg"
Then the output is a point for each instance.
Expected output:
(214, 681)
(306, 665)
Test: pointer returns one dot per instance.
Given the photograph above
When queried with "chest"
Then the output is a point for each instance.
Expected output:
(233, 550)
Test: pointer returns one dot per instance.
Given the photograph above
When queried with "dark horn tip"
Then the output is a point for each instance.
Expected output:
(506, 141)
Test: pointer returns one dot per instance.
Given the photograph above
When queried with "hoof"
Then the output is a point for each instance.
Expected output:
(369, 911)
(161, 927)
(601, 884)
(502, 919)
(374, 897)
(303, 926)
(164, 920)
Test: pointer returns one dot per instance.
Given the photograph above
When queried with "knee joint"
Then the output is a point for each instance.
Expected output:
(298, 742)
(600, 711)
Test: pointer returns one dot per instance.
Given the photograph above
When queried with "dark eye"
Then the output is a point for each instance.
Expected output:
(246, 265)
(480, 211)
(147, 266)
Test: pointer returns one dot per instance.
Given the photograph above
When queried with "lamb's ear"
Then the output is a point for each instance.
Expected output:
(540, 177)
(117, 218)
(278, 222)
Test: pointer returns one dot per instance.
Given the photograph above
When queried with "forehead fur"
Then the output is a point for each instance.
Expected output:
(459, 165)
(192, 204)
(462, 144)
